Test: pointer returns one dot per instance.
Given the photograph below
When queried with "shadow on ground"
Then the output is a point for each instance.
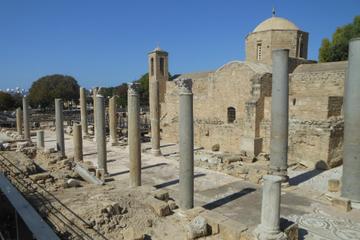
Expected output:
(227, 199)
(304, 177)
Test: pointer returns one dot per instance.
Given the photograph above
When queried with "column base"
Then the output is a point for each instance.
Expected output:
(261, 234)
(156, 152)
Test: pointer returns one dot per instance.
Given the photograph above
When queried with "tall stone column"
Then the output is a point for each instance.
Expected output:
(78, 144)
(155, 116)
(351, 166)
(83, 112)
(40, 141)
(134, 136)
(269, 229)
(279, 114)
(59, 124)
(19, 124)
(186, 133)
(94, 92)
(113, 121)
(100, 132)
(26, 119)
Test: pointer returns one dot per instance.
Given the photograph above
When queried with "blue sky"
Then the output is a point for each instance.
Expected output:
(105, 43)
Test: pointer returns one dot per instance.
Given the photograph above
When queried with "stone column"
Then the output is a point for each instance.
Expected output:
(134, 136)
(83, 111)
(351, 166)
(95, 92)
(113, 121)
(19, 121)
(186, 144)
(40, 143)
(155, 116)
(100, 132)
(270, 210)
(279, 113)
(78, 145)
(59, 124)
(26, 119)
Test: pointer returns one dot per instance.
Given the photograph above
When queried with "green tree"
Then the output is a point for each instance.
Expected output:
(43, 91)
(7, 101)
(121, 92)
(337, 48)
(143, 82)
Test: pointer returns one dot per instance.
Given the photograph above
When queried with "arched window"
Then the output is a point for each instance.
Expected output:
(231, 114)
(152, 66)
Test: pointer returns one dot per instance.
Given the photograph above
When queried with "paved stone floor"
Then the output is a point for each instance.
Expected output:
(304, 202)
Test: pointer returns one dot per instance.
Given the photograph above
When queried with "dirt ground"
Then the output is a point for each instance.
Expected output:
(229, 185)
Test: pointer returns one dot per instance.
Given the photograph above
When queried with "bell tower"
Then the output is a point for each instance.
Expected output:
(158, 71)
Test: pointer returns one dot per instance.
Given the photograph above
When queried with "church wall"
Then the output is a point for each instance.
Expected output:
(230, 86)
(315, 115)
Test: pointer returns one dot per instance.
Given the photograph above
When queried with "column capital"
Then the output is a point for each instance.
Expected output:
(184, 85)
(133, 88)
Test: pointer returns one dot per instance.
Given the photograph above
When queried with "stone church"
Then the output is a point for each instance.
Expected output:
(232, 104)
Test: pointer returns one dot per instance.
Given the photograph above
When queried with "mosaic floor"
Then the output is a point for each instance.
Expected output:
(320, 225)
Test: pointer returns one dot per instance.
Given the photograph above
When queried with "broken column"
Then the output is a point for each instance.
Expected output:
(26, 119)
(83, 111)
(155, 116)
(269, 228)
(78, 145)
(134, 136)
(186, 144)
(279, 114)
(113, 121)
(19, 121)
(40, 142)
(100, 133)
(59, 124)
(351, 166)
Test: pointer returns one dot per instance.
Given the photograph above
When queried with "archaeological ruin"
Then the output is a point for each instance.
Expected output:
(232, 103)
(262, 149)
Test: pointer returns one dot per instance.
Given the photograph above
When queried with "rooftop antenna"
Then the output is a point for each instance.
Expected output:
(273, 11)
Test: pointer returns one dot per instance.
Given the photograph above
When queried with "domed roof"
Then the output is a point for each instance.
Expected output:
(275, 23)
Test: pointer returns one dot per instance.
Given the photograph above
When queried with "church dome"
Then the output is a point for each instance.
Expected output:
(275, 23)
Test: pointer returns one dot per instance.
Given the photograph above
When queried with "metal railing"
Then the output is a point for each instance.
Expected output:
(45, 203)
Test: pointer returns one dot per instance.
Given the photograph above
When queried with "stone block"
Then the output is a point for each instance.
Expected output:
(192, 213)
(341, 203)
(172, 205)
(263, 157)
(161, 208)
(292, 232)
(73, 183)
(231, 229)
(215, 147)
(333, 185)
(40, 176)
(213, 220)
(197, 228)
(162, 195)
(232, 158)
